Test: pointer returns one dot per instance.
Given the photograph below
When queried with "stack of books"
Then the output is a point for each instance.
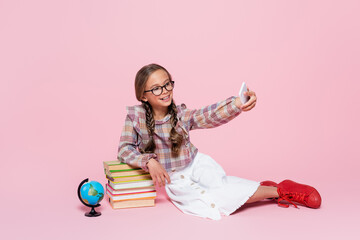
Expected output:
(127, 186)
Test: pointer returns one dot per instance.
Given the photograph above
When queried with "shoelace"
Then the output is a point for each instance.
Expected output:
(290, 197)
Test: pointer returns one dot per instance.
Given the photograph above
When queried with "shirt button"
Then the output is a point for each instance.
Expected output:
(173, 170)
(203, 191)
(182, 176)
(192, 183)
(213, 205)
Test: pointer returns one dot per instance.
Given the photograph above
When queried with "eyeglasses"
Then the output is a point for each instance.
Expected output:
(157, 91)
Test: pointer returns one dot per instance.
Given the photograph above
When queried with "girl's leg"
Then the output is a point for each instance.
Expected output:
(262, 193)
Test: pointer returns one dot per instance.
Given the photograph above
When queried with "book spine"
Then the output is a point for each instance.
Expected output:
(114, 180)
(132, 199)
(132, 203)
(135, 176)
(142, 183)
(133, 188)
(133, 193)
(117, 165)
(124, 170)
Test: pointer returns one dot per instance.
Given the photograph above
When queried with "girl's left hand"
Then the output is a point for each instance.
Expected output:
(251, 103)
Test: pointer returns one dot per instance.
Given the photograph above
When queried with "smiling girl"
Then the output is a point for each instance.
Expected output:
(156, 138)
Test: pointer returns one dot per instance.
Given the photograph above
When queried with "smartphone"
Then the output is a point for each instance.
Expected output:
(243, 89)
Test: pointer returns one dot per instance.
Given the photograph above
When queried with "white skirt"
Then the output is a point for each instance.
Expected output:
(202, 189)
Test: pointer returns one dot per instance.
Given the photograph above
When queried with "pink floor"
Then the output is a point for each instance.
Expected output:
(61, 216)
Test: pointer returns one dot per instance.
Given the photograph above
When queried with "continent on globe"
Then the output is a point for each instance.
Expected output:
(92, 193)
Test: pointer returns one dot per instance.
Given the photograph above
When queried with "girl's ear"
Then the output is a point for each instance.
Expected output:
(144, 99)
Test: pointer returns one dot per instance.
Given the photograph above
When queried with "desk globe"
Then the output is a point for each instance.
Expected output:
(90, 194)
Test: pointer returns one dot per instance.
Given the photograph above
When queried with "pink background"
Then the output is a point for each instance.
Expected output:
(67, 71)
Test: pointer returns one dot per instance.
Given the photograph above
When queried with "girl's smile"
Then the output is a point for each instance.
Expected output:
(166, 99)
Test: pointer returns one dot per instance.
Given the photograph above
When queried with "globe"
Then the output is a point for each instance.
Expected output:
(90, 194)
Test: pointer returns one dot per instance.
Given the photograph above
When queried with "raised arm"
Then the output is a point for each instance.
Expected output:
(213, 115)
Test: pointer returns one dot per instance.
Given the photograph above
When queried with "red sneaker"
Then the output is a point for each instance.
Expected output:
(269, 183)
(300, 193)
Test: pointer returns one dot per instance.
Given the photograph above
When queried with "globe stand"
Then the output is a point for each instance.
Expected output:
(92, 213)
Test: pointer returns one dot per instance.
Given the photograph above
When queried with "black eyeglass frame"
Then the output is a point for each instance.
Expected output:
(162, 88)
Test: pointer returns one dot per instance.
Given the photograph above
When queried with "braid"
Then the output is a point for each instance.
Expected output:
(175, 138)
(150, 124)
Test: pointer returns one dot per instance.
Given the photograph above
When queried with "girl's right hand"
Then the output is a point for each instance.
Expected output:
(157, 172)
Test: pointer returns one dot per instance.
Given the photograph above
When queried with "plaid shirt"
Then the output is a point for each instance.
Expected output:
(135, 136)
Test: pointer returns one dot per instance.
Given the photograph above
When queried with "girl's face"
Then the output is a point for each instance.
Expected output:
(158, 79)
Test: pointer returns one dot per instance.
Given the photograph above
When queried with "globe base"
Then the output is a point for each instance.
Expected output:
(93, 213)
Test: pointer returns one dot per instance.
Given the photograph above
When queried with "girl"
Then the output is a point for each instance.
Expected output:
(156, 138)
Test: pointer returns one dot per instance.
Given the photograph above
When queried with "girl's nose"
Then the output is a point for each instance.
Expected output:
(165, 91)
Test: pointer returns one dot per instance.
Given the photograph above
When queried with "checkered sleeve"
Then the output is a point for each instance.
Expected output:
(213, 115)
(128, 149)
